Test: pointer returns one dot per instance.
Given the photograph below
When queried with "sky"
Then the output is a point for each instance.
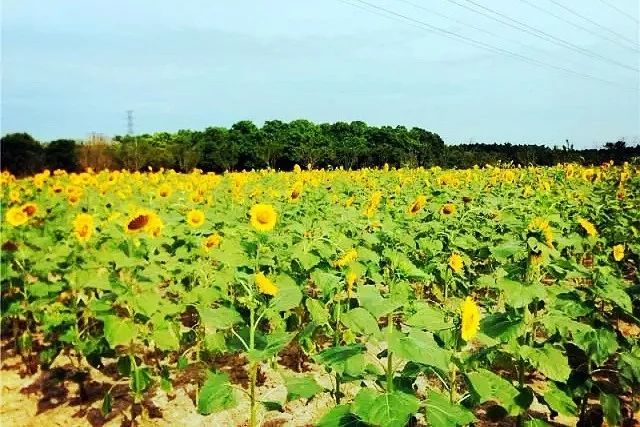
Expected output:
(72, 67)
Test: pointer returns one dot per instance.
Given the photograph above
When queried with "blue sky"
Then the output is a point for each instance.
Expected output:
(74, 67)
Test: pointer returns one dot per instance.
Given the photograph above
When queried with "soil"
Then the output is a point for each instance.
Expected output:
(34, 397)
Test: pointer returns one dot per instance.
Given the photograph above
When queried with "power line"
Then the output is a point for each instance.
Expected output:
(464, 39)
(543, 10)
(480, 29)
(538, 33)
(620, 11)
(573, 12)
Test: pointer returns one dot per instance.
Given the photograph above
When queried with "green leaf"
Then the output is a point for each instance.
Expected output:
(218, 318)
(119, 331)
(360, 321)
(389, 409)
(420, 347)
(560, 401)
(301, 387)
(307, 259)
(613, 290)
(599, 344)
(318, 311)
(215, 394)
(442, 413)
(502, 326)
(491, 387)
(107, 404)
(611, 408)
(430, 318)
(140, 380)
(548, 360)
(275, 342)
(370, 298)
(289, 295)
(328, 283)
(518, 294)
(340, 416)
(504, 251)
(165, 337)
(339, 354)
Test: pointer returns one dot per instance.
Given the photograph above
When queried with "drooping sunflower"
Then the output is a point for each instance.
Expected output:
(618, 252)
(195, 218)
(470, 319)
(448, 209)
(350, 279)
(263, 217)
(541, 225)
(588, 227)
(265, 285)
(456, 263)
(417, 205)
(30, 209)
(212, 241)
(16, 217)
(83, 227)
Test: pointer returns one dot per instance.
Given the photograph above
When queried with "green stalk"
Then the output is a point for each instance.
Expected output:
(336, 342)
(389, 354)
(253, 370)
(452, 384)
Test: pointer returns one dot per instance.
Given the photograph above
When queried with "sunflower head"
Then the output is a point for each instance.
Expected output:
(164, 190)
(83, 227)
(263, 217)
(448, 209)
(16, 216)
(456, 263)
(212, 241)
(588, 227)
(139, 221)
(265, 285)
(470, 319)
(350, 279)
(296, 191)
(618, 252)
(347, 258)
(195, 218)
(30, 209)
(417, 205)
(540, 227)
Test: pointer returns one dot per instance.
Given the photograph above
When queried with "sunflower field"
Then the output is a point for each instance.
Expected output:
(381, 297)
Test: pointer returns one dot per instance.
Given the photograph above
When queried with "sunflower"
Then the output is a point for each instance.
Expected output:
(541, 225)
(155, 225)
(588, 227)
(470, 319)
(417, 205)
(164, 190)
(16, 216)
(212, 241)
(347, 258)
(57, 188)
(139, 221)
(265, 285)
(73, 199)
(618, 252)
(350, 279)
(263, 217)
(14, 195)
(296, 191)
(448, 209)
(83, 227)
(30, 209)
(456, 263)
(195, 218)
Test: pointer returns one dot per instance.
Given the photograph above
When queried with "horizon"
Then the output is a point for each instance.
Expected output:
(67, 74)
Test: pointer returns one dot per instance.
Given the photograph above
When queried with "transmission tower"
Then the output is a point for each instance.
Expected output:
(129, 122)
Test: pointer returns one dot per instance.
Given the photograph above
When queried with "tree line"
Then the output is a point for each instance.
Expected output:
(281, 145)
